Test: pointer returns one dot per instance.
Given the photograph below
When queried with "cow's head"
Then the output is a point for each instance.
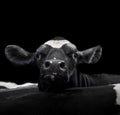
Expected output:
(56, 59)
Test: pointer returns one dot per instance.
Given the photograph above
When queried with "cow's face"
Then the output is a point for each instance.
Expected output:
(56, 59)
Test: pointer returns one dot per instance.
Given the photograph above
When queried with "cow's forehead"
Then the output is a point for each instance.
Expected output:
(57, 43)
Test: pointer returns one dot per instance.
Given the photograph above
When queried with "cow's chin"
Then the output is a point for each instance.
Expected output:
(53, 83)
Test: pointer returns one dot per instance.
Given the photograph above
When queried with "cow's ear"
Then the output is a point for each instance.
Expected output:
(18, 55)
(91, 55)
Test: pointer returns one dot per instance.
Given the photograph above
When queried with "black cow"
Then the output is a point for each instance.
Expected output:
(57, 60)
(101, 100)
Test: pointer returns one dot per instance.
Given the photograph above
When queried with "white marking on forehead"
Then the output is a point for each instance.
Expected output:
(56, 43)
(117, 90)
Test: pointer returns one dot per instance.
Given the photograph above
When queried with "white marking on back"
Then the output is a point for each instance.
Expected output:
(117, 90)
(56, 43)
(11, 85)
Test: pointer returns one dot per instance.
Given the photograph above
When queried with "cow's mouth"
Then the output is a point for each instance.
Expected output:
(53, 82)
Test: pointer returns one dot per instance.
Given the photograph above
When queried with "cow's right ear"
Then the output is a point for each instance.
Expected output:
(18, 55)
(90, 56)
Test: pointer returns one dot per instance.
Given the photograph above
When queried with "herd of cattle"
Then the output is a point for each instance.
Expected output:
(57, 61)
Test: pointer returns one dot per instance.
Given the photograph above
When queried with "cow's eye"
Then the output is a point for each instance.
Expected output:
(75, 55)
(38, 56)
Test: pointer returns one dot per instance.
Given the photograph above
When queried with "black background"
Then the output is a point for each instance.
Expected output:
(86, 26)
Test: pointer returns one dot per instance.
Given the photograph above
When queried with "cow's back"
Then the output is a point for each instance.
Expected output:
(97, 79)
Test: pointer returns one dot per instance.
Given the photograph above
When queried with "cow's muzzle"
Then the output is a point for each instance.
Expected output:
(53, 75)
(58, 65)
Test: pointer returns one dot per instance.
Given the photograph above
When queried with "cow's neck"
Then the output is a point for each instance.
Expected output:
(74, 79)
(81, 80)
(85, 80)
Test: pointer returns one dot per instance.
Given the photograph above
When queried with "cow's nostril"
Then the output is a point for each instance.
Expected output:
(62, 65)
(47, 64)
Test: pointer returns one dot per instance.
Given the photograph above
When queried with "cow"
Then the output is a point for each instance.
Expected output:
(99, 100)
(57, 60)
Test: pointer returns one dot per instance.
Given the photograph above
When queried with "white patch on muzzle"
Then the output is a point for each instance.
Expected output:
(117, 90)
(56, 43)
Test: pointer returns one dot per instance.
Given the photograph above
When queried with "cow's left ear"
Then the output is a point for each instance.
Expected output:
(18, 55)
(91, 55)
